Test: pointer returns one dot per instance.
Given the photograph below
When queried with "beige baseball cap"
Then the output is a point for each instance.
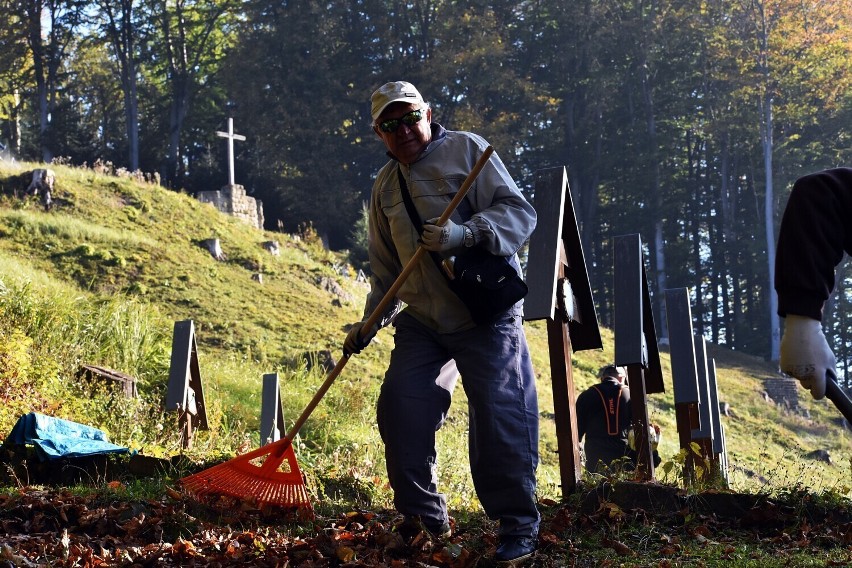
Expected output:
(391, 93)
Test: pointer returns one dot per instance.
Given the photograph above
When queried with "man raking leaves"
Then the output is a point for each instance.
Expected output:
(261, 476)
(436, 332)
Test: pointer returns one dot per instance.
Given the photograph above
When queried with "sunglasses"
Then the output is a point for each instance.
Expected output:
(409, 119)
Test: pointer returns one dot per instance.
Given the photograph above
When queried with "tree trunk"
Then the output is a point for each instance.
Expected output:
(176, 52)
(658, 250)
(726, 238)
(769, 215)
(35, 33)
(177, 115)
(120, 29)
(132, 114)
(16, 124)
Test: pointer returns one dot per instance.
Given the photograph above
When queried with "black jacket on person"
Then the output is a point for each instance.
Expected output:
(603, 417)
(815, 232)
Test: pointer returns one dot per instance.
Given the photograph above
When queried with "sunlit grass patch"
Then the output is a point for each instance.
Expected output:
(68, 228)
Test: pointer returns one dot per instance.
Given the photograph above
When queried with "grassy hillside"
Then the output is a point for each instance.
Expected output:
(103, 276)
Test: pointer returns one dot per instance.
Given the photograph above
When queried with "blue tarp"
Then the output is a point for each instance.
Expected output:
(57, 438)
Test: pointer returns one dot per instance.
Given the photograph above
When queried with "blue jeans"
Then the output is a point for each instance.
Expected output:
(498, 378)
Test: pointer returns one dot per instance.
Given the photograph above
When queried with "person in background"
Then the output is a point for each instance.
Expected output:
(604, 418)
(815, 232)
(435, 333)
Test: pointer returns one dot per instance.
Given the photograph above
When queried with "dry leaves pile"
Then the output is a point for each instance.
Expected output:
(59, 528)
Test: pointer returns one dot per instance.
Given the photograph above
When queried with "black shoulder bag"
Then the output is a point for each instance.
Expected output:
(487, 284)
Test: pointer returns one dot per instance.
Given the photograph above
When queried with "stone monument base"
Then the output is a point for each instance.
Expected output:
(233, 200)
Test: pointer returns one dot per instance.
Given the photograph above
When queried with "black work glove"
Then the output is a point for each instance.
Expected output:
(358, 338)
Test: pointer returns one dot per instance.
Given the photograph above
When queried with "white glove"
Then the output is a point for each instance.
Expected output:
(356, 340)
(805, 353)
(654, 435)
(437, 238)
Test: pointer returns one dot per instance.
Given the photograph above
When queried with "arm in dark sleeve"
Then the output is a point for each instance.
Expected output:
(816, 229)
(581, 407)
(626, 418)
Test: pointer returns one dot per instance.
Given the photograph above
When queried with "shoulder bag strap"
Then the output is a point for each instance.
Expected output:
(415, 217)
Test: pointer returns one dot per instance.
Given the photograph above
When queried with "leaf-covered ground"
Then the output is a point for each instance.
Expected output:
(56, 527)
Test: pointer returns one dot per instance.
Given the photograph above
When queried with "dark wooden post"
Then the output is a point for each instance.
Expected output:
(184, 393)
(720, 449)
(271, 411)
(560, 292)
(684, 374)
(704, 434)
(709, 436)
(636, 342)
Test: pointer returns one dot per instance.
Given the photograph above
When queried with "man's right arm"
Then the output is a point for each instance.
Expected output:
(384, 266)
(814, 233)
(813, 236)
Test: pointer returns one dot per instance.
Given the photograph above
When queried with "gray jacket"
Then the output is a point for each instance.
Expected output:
(501, 222)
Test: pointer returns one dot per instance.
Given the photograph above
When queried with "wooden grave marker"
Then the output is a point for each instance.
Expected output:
(684, 374)
(636, 342)
(271, 411)
(184, 393)
(709, 435)
(704, 434)
(123, 381)
(720, 445)
(560, 292)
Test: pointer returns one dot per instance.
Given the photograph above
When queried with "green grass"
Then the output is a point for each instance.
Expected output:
(102, 278)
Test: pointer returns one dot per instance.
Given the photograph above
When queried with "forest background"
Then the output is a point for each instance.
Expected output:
(684, 121)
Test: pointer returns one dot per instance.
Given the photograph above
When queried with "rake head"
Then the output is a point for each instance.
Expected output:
(268, 476)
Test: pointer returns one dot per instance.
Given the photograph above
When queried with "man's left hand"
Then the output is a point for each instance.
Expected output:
(437, 238)
(806, 355)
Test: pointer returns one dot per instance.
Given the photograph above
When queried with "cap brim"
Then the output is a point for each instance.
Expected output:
(400, 99)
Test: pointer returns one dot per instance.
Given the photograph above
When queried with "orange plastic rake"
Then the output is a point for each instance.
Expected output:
(261, 476)
(266, 476)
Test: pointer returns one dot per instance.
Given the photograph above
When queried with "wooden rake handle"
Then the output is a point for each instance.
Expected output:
(386, 300)
(836, 395)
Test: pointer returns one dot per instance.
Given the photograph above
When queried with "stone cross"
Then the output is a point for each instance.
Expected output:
(231, 137)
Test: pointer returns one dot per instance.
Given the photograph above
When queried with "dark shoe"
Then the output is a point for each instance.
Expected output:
(513, 550)
(409, 528)
(444, 531)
